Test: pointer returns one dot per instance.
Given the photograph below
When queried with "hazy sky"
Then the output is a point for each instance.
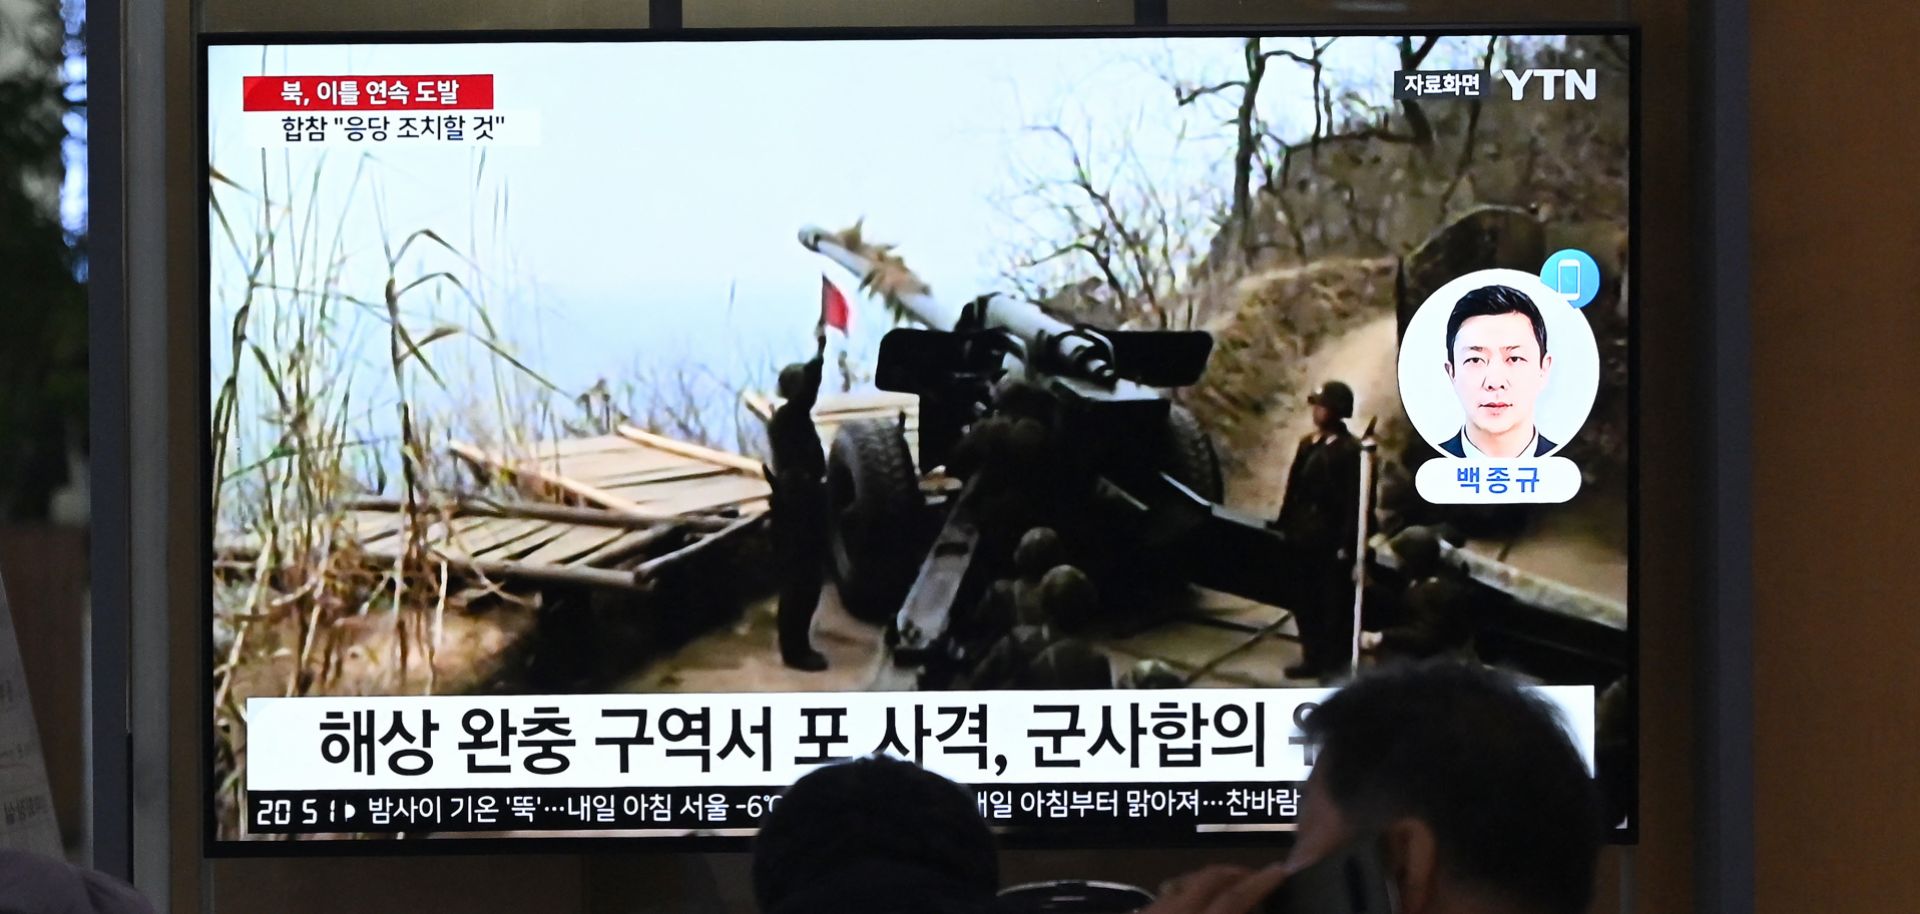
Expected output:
(671, 178)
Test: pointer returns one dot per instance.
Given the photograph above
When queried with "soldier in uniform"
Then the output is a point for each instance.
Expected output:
(1011, 601)
(1006, 457)
(799, 501)
(1039, 552)
(1434, 614)
(1318, 517)
(1050, 655)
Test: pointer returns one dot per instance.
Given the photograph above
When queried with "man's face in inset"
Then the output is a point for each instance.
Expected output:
(1498, 371)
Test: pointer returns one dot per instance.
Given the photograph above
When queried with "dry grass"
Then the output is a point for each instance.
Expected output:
(303, 422)
(295, 436)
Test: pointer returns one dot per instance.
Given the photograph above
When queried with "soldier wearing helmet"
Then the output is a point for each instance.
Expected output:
(799, 502)
(1051, 654)
(1319, 516)
(1434, 615)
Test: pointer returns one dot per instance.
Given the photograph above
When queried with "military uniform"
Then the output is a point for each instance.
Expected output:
(1435, 618)
(1046, 655)
(1318, 517)
(799, 505)
(1434, 614)
(1039, 657)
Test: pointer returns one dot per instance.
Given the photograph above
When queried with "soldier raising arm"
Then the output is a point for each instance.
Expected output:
(799, 506)
(795, 442)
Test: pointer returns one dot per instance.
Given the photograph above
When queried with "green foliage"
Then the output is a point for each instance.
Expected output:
(43, 346)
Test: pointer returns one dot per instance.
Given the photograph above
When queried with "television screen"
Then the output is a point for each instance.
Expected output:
(604, 433)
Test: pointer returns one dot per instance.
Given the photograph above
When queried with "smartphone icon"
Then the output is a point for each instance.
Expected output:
(1569, 279)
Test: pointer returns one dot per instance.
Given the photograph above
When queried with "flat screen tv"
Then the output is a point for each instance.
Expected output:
(605, 430)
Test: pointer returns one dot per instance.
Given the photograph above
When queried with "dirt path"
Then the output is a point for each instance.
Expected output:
(1585, 549)
(743, 657)
(1362, 357)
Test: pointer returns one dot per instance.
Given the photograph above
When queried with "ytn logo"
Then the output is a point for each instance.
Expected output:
(1569, 84)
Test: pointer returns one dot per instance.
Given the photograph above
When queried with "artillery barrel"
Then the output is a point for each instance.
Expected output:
(1043, 338)
(921, 305)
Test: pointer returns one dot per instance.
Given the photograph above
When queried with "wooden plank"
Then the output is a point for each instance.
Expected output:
(632, 543)
(866, 399)
(436, 532)
(371, 527)
(662, 477)
(694, 451)
(652, 567)
(601, 578)
(457, 552)
(763, 405)
(496, 569)
(443, 529)
(573, 487)
(849, 415)
(566, 514)
(501, 534)
(574, 447)
(518, 549)
(634, 458)
(570, 545)
(706, 496)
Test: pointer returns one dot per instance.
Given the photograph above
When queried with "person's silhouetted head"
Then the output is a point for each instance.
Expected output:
(858, 836)
(1478, 794)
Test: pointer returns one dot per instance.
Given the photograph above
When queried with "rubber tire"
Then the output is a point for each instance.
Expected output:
(1187, 454)
(875, 519)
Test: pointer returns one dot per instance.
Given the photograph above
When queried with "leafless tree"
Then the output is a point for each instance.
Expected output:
(1249, 130)
(1115, 222)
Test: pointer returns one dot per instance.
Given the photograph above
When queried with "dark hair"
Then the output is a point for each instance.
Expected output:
(1483, 763)
(1488, 301)
(872, 810)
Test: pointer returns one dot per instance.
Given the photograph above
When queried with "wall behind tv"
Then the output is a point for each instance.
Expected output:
(1836, 402)
(1660, 869)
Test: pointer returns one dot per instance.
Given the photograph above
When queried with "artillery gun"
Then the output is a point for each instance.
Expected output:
(1128, 475)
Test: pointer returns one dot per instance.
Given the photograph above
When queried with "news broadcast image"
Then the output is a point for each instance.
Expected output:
(604, 434)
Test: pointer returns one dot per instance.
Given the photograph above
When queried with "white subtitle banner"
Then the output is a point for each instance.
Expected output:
(772, 739)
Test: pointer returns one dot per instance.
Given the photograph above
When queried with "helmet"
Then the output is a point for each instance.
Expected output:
(792, 378)
(1022, 400)
(1069, 664)
(1026, 443)
(1038, 551)
(1418, 549)
(1336, 397)
(1068, 597)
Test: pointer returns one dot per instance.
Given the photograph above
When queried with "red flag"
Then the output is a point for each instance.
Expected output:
(833, 306)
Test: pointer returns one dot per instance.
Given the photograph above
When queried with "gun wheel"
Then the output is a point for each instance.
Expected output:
(874, 534)
(1188, 456)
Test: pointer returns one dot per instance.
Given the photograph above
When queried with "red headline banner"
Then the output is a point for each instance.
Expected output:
(463, 92)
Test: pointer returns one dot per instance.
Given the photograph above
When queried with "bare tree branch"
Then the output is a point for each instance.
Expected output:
(1112, 222)
(1467, 143)
(1416, 116)
(1189, 96)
